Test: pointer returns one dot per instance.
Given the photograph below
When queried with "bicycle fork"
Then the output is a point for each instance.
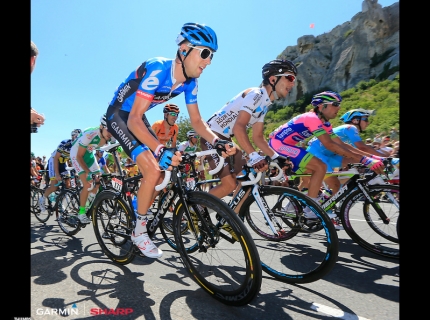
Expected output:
(262, 204)
(375, 204)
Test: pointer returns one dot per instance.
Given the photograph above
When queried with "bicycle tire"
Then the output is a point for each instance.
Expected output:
(67, 209)
(36, 194)
(300, 257)
(113, 224)
(230, 271)
(370, 233)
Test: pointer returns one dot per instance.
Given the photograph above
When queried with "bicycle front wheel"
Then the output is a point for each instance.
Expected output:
(42, 216)
(67, 204)
(112, 223)
(294, 254)
(225, 263)
(364, 225)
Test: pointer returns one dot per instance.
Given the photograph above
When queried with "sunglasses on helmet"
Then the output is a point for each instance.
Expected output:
(173, 114)
(290, 77)
(204, 52)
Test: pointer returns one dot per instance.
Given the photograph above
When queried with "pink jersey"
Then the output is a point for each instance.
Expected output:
(300, 128)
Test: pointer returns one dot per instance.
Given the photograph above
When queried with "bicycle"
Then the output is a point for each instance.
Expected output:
(229, 272)
(368, 211)
(301, 259)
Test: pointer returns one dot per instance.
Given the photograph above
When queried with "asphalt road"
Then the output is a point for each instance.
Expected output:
(72, 279)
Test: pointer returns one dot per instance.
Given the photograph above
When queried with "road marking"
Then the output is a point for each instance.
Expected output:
(335, 312)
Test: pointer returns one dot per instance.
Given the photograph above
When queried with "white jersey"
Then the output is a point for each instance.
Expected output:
(255, 101)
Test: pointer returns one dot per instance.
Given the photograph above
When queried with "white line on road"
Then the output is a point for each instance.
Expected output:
(335, 312)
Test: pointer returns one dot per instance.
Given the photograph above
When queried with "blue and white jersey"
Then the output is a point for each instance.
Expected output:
(153, 80)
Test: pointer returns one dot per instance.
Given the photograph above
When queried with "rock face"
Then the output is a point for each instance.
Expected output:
(367, 47)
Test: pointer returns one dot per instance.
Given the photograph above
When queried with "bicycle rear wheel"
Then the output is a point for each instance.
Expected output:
(295, 256)
(36, 194)
(113, 224)
(67, 204)
(363, 224)
(229, 270)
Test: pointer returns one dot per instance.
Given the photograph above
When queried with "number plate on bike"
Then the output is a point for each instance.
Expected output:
(117, 184)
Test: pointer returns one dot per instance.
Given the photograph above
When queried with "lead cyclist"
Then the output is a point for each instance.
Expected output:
(154, 82)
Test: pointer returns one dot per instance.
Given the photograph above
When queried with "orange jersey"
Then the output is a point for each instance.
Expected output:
(166, 138)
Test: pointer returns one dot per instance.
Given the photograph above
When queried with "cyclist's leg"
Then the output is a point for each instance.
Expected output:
(304, 162)
(148, 166)
(51, 188)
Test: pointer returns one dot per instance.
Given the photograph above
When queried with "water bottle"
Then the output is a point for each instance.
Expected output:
(134, 202)
(52, 197)
(90, 200)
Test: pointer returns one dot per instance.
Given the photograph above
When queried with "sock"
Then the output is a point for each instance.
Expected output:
(141, 221)
(81, 210)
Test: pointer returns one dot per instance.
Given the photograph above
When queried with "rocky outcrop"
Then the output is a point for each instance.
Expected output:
(367, 47)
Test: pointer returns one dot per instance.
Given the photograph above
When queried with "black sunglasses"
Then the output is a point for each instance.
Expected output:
(365, 119)
(334, 104)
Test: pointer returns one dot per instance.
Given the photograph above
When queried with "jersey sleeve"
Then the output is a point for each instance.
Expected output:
(155, 72)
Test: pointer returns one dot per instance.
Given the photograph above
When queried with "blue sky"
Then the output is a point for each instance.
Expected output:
(88, 47)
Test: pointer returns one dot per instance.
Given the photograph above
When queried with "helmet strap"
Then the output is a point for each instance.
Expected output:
(320, 114)
(165, 119)
(182, 63)
(273, 85)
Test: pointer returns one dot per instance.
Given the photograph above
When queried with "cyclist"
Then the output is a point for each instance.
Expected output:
(34, 174)
(247, 110)
(101, 161)
(356, 121)
(57, 164)
(167, 130)
(85, 164)
(154, 82)
(191, 146)
(315, 122)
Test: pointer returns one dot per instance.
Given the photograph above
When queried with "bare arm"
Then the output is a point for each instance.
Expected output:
(199, 124)
(368, 150)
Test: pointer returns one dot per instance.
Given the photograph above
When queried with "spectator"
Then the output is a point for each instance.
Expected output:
(394, 136)
(36, 119)
(131, 168)
(369, 142)
(386, 145)
(395, 153)
(377, 146)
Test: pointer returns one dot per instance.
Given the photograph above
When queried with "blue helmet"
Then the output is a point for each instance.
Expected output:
(198, 35)
(355, 113)
(326, 96)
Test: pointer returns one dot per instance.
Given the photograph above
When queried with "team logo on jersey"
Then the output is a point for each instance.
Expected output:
(123, 91)
(152, 82)
(290, 151)
(284, 133)
(225, 118)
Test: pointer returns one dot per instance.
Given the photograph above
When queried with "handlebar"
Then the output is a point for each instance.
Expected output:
(193, 155)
